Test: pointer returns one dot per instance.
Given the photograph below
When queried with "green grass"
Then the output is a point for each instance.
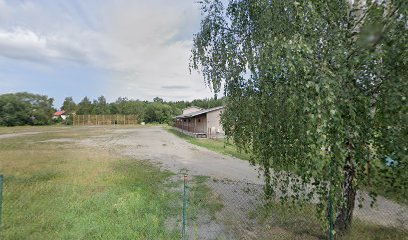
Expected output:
(216, 145)
(202, 199)
(67, 191)
(300, 222)
(362, 230)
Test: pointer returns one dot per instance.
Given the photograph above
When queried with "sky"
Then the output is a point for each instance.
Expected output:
(117, 48)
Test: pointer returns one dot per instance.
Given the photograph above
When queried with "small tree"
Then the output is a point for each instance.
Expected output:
(100, 106)
(317, 88)
(85, 106)
(69, 105)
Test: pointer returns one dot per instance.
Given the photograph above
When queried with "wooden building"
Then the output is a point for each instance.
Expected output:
(200, 122)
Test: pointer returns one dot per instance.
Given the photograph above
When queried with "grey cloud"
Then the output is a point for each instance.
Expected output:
(175, 87)
(144, 46)
(23, 44)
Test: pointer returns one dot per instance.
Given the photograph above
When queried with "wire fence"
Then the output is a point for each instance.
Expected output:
(222, 209)
(192, 207)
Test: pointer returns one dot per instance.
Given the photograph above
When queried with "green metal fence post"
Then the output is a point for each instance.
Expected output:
(183, 234)
(1, 197)
(330, 218)
(330, 204)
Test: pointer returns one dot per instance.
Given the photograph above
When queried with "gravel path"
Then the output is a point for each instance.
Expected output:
(172, 153)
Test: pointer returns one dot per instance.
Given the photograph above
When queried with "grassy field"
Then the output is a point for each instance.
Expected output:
(62, 190)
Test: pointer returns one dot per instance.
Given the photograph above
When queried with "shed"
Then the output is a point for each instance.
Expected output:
(201, 122)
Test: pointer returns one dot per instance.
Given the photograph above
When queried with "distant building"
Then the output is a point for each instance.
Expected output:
(60, 114)
(200, 122)
(191, 109)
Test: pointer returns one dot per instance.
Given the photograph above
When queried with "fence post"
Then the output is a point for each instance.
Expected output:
(183, 234)
(330, 218)
(1, 197)
(330, 204)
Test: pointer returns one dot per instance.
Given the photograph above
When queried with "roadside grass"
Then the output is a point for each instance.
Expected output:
(289, 221)
(67, 191)
(364, 230)
(300, 222)
(216, 145)
(202, 199)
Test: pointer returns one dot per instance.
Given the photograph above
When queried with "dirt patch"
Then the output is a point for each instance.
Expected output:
(12, 135)
(60, 140)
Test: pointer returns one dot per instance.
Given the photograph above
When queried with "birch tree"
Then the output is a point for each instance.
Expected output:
(314, 88)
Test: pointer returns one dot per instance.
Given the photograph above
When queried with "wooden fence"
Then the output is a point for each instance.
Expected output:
(87, 120)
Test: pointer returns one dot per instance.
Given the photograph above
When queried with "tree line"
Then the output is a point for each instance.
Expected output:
(24, 108)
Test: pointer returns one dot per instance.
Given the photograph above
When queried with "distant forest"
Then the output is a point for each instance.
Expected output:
(24, 108)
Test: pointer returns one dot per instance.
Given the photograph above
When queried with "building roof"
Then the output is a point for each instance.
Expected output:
(59, 113)
(193, 114)
(191, 107)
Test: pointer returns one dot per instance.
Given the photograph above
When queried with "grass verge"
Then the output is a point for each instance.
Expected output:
(216, 145)
(66, 191)
(295, 222)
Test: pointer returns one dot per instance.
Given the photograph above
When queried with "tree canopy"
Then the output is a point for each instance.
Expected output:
(69, 105)
(25, 109)
(315, 88)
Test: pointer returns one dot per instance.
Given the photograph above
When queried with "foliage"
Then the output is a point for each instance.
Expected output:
(320, 85)
(158, 112)
(100, 106)
(69, 106)
(25, 109)
(85, 106)
(125, 106)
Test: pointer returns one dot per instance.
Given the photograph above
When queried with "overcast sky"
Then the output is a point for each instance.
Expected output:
(134, 48)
